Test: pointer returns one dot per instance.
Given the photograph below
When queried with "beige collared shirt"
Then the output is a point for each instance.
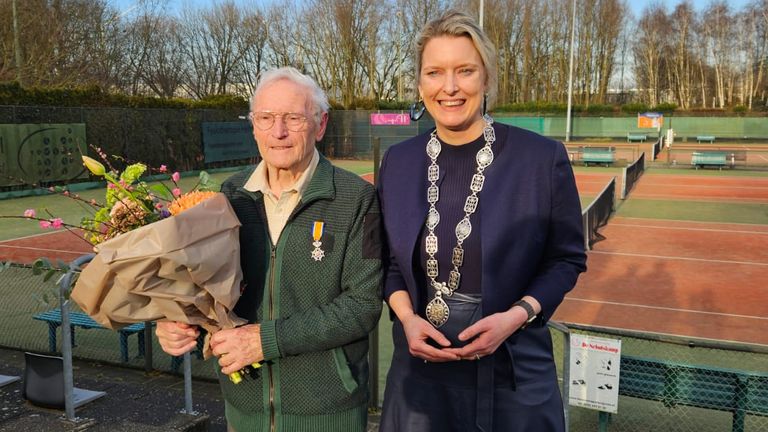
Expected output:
(279, 209)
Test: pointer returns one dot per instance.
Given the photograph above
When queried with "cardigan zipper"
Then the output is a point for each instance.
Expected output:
(272, 258)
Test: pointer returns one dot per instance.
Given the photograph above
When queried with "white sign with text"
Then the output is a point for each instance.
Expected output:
(594, 370)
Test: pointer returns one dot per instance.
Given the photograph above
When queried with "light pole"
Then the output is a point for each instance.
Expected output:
(482, 4)
(570, 76)
(16, 43)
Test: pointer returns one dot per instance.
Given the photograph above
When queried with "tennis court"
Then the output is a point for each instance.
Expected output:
(681, 275)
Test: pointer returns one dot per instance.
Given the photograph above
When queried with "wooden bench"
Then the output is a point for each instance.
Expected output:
(739, 392)
(636, 137)
(597, 155)
(709, 158)
(79, 319)
(705, 138)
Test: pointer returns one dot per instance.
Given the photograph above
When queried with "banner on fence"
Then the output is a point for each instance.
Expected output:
(650, 120)
(594, 372)
(390, 119)
(225, 141)
(40, 153)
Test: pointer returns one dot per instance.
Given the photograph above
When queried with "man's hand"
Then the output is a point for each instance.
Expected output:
(176, 338)
(238, 347)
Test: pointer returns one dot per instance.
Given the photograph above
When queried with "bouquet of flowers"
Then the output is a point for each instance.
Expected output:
(160, 254)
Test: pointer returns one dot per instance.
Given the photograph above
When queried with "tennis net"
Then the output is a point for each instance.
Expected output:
(631, 175)
(597, 214)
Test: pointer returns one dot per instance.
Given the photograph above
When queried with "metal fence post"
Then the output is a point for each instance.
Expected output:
(66, 335)
(373, 339)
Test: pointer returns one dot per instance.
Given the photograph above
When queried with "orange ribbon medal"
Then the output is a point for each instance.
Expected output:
(317, 233)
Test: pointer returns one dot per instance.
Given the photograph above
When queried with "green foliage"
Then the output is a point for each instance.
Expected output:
(634, 108)
(11, 93)
(666, 108)
(740, 109)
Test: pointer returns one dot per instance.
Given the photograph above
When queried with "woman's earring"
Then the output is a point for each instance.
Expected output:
(416, 110)
(485, 104)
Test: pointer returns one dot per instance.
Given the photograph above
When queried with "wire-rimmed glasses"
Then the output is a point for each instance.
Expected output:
(264, 120)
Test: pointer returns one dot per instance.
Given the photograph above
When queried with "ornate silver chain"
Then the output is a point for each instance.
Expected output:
(437, 309)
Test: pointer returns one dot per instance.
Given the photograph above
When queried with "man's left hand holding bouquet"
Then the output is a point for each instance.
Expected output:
(236, 348)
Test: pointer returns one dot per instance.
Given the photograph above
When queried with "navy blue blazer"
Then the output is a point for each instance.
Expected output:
(529, 217)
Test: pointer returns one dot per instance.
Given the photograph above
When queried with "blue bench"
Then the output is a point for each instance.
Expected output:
(705, 138)
(739, 392)
(79, 319)
(597, 155)
(635, 137)
(709, 158)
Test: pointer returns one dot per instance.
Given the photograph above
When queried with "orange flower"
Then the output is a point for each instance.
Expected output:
(188, 200)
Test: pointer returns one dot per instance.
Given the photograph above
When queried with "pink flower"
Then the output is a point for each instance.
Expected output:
(176, 192)
(93, 202)
(176, 177)
(45, 224)
(57, 223)
(111, 186)
(65, 193)
(30, 213)
(159, 206)
(163, 168)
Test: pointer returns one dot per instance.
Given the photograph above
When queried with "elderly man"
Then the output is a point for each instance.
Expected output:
(311, 259)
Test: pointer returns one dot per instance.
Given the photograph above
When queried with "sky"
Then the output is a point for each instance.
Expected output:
(637, 6)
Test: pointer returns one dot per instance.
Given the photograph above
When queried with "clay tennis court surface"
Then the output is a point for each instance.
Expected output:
(693, 279)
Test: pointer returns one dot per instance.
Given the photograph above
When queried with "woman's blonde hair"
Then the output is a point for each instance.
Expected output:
(458, 24)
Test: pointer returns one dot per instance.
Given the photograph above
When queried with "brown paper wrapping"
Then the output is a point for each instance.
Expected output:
(184, 268)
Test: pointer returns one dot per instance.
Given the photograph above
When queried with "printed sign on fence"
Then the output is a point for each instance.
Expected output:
(650, 120)
(390, 119)
(594, 372)
(38, 153)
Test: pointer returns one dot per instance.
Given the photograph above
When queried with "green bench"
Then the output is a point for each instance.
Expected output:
(709, 158)
(636, 137)
(79, 319)
(738, 392)
(705, 138)
(597, 155)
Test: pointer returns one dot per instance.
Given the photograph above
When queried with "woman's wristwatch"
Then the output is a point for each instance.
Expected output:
(529, 309)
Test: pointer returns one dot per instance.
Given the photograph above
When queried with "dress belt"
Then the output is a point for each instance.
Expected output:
(485, 387)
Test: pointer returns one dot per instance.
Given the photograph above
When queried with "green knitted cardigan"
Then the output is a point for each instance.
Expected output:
(315, 316)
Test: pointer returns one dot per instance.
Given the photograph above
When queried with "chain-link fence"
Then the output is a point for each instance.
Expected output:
(666, 383)
(670, 383)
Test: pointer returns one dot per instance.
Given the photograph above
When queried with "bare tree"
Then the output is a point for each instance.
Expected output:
(719, 29)
(648, 51)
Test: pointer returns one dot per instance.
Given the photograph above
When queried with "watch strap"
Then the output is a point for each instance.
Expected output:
(529, 309)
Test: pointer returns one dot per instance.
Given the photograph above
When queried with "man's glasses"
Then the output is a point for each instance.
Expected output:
(264, 120)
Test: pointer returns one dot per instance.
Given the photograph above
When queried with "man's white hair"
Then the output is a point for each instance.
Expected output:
(316, 94)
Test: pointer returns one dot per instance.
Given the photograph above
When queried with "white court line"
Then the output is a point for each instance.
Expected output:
(698, 198)
(667, 308)
(687, 221)
(707, 186)
(679, 258)
(40, 249)
(30, 236)
(689, 229)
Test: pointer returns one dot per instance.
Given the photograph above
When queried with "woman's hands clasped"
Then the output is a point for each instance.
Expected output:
(417, 331)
